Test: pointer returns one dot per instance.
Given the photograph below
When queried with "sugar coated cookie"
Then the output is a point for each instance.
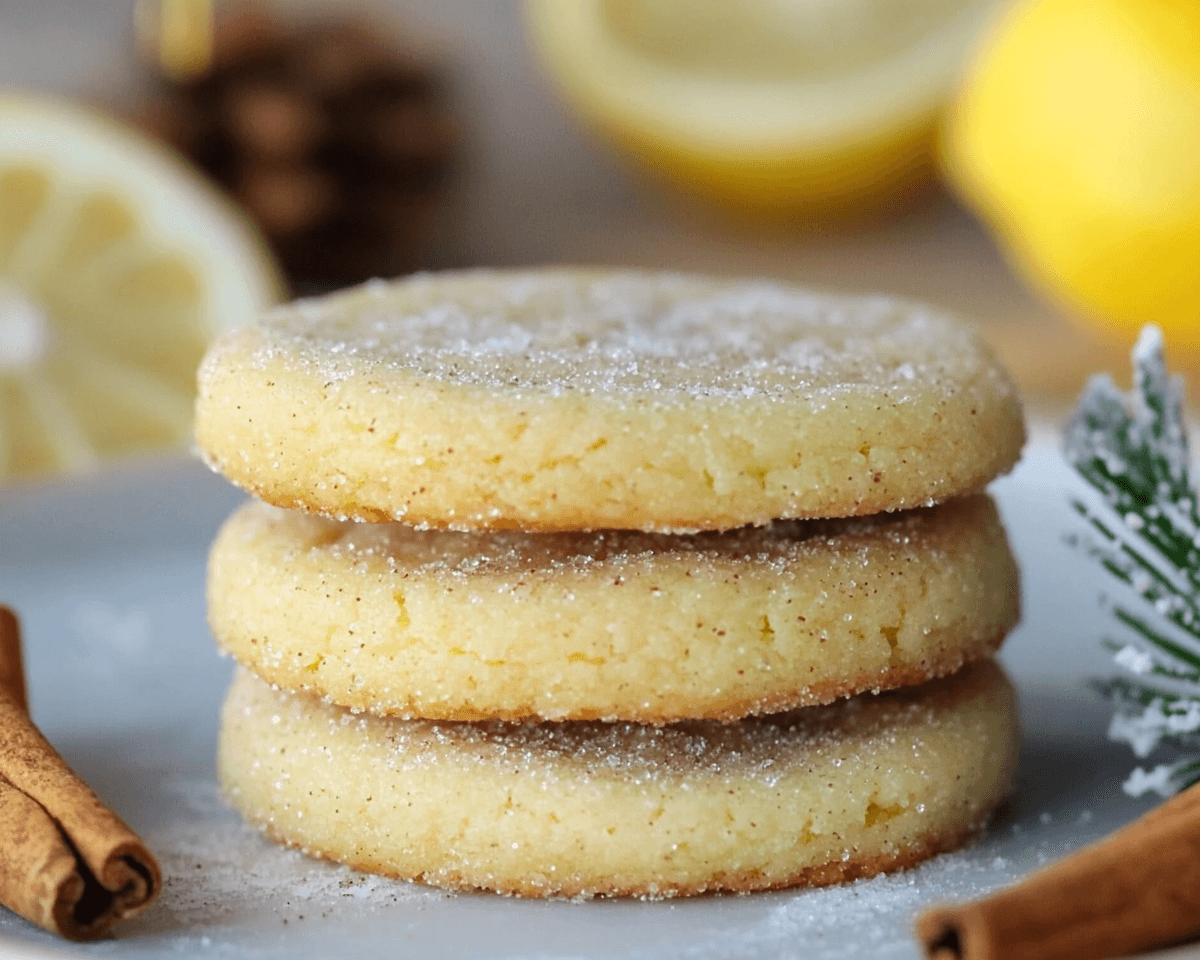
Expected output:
(559, 400)
(612, 625)
(813, 797)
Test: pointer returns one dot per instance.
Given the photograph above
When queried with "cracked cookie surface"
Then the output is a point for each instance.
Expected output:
(812, 797)
(559, 400)
(609, 625)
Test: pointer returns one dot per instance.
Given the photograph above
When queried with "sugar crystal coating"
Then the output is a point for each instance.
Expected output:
(609, 624)
(625, 334)
(814, 797)
(575, 399)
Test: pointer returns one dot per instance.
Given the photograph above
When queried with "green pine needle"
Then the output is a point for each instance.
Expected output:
(1145, 531)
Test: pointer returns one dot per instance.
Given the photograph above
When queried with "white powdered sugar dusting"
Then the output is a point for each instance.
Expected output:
(869, 919)
(219, 872)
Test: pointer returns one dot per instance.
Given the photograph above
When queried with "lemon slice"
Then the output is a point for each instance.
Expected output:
(117, 267)
(773, 106)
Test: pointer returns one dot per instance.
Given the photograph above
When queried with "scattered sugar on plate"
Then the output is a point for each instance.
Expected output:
(219, 873)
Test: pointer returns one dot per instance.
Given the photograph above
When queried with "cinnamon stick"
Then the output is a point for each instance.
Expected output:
(12, 676)
(67, 862)
(1135, 890)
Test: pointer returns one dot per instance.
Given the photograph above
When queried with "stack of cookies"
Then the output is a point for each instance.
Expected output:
(575, 583)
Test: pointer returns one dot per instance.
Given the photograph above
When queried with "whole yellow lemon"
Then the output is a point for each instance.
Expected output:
(1077, 138)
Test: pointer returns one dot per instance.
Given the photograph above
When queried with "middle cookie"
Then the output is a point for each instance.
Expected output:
(609, 625)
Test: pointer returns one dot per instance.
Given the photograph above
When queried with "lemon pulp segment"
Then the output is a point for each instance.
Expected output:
(116, 269)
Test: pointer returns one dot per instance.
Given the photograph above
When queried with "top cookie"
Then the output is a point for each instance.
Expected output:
(558, 400)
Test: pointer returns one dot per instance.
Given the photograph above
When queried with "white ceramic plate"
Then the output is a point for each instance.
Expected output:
(107, 573)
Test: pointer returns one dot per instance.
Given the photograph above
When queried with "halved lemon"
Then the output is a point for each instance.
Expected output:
(118, 264)
(773, 106)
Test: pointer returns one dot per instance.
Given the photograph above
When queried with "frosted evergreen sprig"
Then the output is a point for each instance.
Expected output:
(1144, 529)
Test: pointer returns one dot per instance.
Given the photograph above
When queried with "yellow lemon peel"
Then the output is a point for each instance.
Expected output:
(777, 109)
(1076, 138)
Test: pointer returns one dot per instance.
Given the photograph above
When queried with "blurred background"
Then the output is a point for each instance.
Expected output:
(169, 166)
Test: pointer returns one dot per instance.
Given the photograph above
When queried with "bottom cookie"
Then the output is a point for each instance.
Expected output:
(812, 797)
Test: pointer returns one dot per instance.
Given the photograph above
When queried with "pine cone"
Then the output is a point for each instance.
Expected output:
(335, 143)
